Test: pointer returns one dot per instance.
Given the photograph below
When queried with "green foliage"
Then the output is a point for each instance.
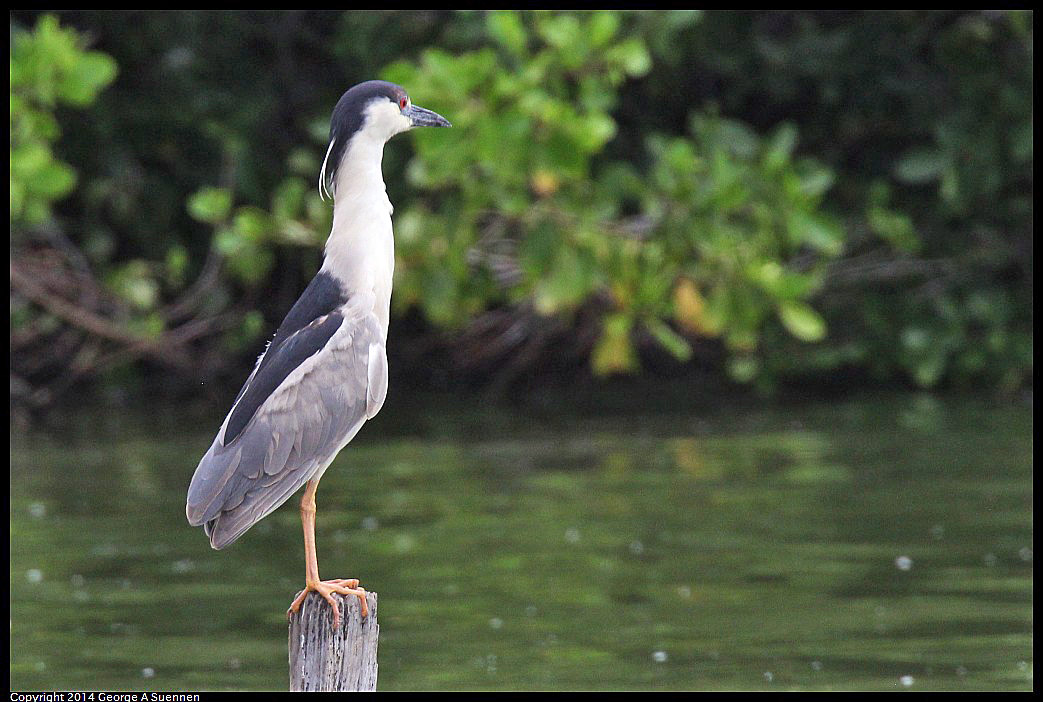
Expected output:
(49, 68)
(925, 118)
(246, 235)
(808, 192)
(721, 208)
(741, 220)
(986, 130)
(528, 117)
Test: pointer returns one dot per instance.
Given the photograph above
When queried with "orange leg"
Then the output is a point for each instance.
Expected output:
(326, 588)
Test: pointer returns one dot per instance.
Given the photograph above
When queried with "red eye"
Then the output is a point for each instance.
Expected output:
(402, 103)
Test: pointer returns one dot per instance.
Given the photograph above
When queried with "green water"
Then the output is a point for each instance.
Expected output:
(872, 544)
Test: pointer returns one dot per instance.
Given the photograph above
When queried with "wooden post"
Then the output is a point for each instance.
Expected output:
(322, 660)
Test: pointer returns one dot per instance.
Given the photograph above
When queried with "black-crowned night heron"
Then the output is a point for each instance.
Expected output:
(325, 372)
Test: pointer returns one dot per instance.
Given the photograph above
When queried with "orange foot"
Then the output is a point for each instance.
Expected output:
(326, 588)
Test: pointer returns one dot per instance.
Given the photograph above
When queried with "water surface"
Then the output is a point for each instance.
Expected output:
(872, 544)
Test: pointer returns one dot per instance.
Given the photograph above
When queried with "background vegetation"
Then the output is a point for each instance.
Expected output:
(769, 198)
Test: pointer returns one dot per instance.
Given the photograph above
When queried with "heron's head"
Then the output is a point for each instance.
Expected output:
(374, 111)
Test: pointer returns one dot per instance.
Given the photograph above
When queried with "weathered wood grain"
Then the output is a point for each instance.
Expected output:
(324, 660)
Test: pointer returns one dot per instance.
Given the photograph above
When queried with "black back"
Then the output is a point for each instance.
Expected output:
(296, 340)
(323, 295)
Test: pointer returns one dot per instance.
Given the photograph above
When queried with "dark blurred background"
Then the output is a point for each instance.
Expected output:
(733, 200)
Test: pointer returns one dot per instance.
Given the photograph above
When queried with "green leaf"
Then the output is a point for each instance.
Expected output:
(229, 242)
(210, 205)
(815, 181)
(894, 227)
(633, 56)
(801, 321)
(743, 369)
(288, 199)
(86, 78)
(780, 147)
(673, 342)
(253, 325)
(133, 283)
(602, 27)
(920, 166)
(816, 229)
(506, 27)
(929, 370)
(253, 265)
(176, 263)
(54, 181)
(614, 352)
(253, 224)
(565, 285)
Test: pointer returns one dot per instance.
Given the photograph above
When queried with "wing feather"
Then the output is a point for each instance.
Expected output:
(295, 431)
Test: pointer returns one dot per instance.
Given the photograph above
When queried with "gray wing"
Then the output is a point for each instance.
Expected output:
(304, 401)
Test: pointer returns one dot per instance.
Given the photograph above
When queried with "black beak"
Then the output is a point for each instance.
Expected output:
(419, 117)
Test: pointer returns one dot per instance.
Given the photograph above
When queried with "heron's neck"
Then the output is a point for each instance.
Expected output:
(360, 250)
